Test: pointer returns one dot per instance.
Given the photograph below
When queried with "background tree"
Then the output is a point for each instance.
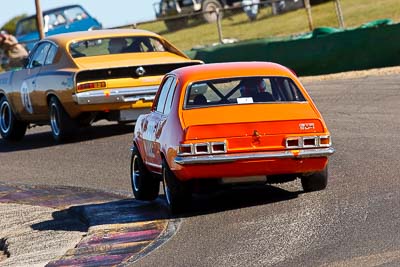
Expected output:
(10, 25)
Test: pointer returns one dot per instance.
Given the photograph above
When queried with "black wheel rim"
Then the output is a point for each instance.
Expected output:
(5, 117)
(167, 193)
(135, 173)
(54, 119)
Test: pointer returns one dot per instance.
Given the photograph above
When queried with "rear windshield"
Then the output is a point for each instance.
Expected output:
(243, 90)
(109, 46)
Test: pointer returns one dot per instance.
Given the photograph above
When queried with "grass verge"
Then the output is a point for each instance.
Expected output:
(237, 26)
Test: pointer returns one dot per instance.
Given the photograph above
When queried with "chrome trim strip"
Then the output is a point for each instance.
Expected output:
(226, 158)
(119, 95)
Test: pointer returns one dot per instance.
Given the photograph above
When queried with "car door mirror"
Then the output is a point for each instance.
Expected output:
(36, 63)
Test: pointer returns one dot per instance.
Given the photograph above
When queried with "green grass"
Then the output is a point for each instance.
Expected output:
(356, 12)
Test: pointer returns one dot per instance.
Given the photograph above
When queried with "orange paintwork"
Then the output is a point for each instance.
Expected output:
(251, 168)
(38, 83)
(247, 130)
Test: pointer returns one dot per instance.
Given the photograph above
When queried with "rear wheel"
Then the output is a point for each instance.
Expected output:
(62, 126)
(211, 5)
(144, 185)
(177, 193)
(11, 128)
(316, 181)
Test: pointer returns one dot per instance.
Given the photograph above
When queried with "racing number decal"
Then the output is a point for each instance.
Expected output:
(26, 101)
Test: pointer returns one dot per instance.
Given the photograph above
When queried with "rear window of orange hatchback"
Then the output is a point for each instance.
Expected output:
(242, 90)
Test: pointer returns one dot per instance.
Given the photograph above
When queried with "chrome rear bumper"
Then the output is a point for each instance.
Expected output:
(120, 95)
(226, 158)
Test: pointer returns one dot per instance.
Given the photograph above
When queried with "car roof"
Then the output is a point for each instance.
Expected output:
(53, 10)
(107, 33)
(231, 69)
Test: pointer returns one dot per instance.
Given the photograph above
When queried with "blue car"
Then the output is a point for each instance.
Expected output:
(70, 18)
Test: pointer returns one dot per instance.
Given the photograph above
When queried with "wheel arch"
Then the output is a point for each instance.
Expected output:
(3, 94)
(162, 156)
(135, 146)
(165, 159)
(50, 95)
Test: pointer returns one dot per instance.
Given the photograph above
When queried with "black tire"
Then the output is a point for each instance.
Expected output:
(62, 126)
(176, 24)
(316, 181)
(177, 193)
(144, 185)
(211, 5)
(11, 128)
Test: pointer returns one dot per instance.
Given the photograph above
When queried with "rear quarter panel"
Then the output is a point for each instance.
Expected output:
(171, 136)
(4, 84)
(55, 82)
(309, 99)
(138, 134)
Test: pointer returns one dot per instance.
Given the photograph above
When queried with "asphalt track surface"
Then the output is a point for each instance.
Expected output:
(354, 222)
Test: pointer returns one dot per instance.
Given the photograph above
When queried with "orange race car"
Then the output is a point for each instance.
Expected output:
(73, 79)
(227, 123)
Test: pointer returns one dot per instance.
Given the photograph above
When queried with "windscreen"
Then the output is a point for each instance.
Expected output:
(118, 45)
(242, 90)
(26, 26)
(51, 19)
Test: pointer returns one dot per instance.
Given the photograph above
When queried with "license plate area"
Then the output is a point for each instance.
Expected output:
(131, 114)
(246, 179)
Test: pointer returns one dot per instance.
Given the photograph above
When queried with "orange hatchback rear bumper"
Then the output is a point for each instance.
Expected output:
(250, 164)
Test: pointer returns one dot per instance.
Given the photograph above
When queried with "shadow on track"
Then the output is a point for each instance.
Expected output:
(107, 213)
(132, 211)
(122, 231)
(237, 197)
(44, 139)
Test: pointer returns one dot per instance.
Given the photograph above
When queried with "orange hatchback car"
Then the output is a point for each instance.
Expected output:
(228, 123)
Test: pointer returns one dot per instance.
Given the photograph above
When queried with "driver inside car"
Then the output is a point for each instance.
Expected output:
(117, 45)
(255, 88)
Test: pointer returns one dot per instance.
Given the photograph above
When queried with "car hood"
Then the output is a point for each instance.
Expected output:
(128, 59)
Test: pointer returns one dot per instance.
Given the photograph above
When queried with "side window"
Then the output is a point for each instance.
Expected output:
(297, 96)
(50, 55)
(168, 102)
(158, 46)
(284, 89)
(39, 56)
(268, 86)
(75, 13)
(163, 95)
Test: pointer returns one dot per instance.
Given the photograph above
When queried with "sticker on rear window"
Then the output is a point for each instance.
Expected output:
(245, 100)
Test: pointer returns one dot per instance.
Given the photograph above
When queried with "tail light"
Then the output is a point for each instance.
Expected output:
(325, 141)
(91, 86)
(293, 142)
(308, 142)
(202, 148)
